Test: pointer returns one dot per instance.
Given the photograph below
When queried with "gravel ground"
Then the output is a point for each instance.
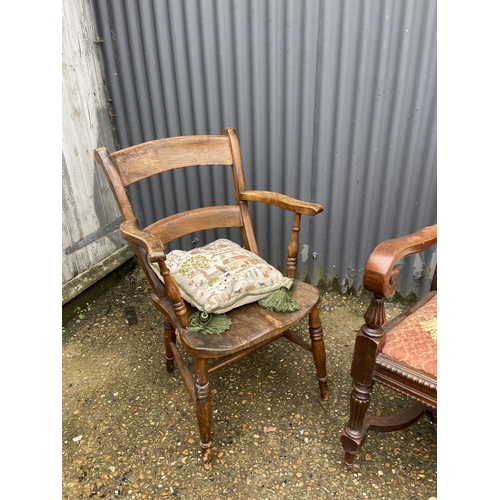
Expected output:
(129, 429)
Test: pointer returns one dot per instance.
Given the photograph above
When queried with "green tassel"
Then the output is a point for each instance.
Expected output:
(280, 301)
(209, 324)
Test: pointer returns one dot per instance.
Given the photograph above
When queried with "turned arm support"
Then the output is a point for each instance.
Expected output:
(285, 202)
(156, 253)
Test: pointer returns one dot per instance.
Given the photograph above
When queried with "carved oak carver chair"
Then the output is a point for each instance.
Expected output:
(401, 354)
(248, 326)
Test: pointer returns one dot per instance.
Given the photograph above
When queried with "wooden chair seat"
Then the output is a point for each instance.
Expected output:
(251, 325)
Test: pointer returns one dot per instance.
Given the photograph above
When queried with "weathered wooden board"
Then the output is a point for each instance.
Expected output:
(87, 203)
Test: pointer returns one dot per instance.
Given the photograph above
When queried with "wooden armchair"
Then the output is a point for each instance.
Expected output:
(252, 326)
(401, 354)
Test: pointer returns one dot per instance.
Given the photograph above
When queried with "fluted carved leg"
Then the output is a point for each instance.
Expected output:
(354, 433)
(369, 340)
(318, 352)
(169, 335)
(204, 411)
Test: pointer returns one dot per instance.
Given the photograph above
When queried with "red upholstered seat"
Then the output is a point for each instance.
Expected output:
(414, 340)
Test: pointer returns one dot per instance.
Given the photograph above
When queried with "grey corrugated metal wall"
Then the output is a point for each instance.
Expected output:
(333, 101)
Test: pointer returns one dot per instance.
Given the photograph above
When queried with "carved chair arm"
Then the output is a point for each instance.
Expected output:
(156, 252)
(151, 243)
(282, 201)
(381, 274)
(380, 278)
(299, 207)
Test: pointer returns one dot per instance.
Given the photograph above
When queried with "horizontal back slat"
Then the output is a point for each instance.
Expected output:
(200, 219)
(153, 157)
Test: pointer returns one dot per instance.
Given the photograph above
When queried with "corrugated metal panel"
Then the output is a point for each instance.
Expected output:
(333, 101)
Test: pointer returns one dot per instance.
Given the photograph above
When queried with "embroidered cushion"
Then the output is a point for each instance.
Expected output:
(222, 276)
(414, 340)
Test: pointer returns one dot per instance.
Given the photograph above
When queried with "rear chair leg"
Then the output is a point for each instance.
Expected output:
(169, 335)
(318, 351)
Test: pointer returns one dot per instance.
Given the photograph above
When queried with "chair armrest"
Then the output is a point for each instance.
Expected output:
(299, 207)
(282, 201)
(151, 243)
(381, 274)
(156, 253)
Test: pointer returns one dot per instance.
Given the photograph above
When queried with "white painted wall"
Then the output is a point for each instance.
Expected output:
(87, 202)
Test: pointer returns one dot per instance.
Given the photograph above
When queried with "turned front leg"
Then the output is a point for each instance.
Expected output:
(318, 351)
(204, 410)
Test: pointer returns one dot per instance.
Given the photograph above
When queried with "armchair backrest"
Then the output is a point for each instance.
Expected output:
(135, 163)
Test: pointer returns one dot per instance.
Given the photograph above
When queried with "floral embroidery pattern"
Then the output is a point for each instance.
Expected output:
(222, 275)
